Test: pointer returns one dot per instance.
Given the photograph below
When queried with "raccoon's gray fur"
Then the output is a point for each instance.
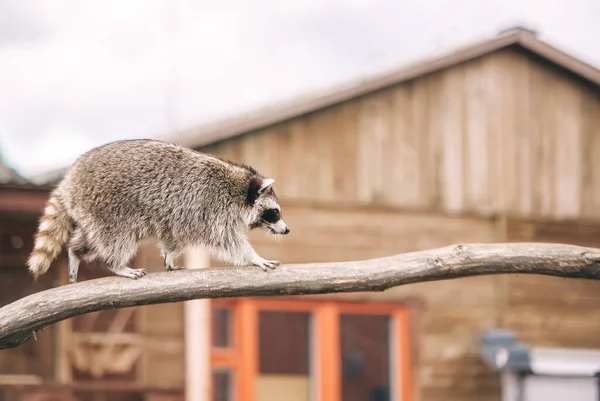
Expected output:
(120, 194)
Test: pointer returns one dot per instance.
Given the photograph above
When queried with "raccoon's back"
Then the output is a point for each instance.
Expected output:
(133, 181)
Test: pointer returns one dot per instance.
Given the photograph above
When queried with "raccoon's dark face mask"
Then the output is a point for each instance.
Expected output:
(271, 221)
(268, 210)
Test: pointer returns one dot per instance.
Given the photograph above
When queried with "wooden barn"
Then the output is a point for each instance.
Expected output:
(21, 203)
(494, 142)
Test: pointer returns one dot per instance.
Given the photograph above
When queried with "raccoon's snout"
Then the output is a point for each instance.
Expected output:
(286, 231)
(280, 228)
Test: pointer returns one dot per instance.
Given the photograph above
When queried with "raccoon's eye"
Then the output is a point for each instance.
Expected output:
(271, 215)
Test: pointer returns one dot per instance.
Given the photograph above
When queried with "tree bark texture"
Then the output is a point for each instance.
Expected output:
(20, 319)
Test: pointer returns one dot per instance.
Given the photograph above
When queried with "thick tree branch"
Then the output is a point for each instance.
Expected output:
(20, 319)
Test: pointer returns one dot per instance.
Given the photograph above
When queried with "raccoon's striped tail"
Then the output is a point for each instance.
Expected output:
(53, 232)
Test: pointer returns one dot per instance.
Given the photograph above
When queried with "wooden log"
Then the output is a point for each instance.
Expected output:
(22, 318)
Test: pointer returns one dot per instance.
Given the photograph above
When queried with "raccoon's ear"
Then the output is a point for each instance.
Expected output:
(266, 184)
(257, 186)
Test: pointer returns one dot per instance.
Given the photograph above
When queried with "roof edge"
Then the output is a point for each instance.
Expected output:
(207, 134)
(227, 128)
(230, 127)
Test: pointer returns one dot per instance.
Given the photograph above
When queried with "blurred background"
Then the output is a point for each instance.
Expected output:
(389, 127)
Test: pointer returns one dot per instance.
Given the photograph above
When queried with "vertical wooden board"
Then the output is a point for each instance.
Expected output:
(345, 151)
(450, 113)
(542, 109)
(283, 169)
(521, 91)
(227, 150)
(594, 159)
(311, 166)
(262, 151)
(590, 143)
(388, 156)
(496, 134)
(322, 125)
(250, 149)
(536, 135)
(477, 147)
(403, 157)
(426, 101)
(370, 136)
(374, 134)
(502, 70)
(297, 186)
(267, 150)
(363, 161)
(283, 162)
(568, 152)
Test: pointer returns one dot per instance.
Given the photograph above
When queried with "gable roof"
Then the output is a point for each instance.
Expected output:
(199, 136)
(231, 127)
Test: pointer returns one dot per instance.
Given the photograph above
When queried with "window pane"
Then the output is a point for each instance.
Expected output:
(222, 384)
(365, 352)
(221, 327)
(284, 356)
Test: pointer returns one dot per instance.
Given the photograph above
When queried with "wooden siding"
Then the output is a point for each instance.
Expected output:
(504, 139)
(454, 312)
(565, 313)
(318, 233)
(503, 134)
(162, 362)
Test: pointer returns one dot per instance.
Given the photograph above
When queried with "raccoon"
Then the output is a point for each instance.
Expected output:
(121, 194)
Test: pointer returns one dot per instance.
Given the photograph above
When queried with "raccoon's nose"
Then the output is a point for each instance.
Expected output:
(287, 231)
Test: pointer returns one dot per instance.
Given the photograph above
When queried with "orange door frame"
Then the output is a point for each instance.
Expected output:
(242, 358)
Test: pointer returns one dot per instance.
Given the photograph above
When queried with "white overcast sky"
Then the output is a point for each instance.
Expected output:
(78, 73)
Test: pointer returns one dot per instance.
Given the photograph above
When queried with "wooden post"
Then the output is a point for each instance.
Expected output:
(63, 371)
(197, 335)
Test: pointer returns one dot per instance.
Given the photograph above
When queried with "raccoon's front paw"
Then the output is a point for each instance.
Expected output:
(172, 268)
(131, 273)
(264, 264)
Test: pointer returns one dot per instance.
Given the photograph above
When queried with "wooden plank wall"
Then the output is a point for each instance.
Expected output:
(454, 313)
(566, 312)
(33, 358)
(162, 363)
(503, 134)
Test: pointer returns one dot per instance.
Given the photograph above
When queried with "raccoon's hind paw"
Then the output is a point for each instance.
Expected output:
(264, 264)
(169, 263)
(131, 273)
